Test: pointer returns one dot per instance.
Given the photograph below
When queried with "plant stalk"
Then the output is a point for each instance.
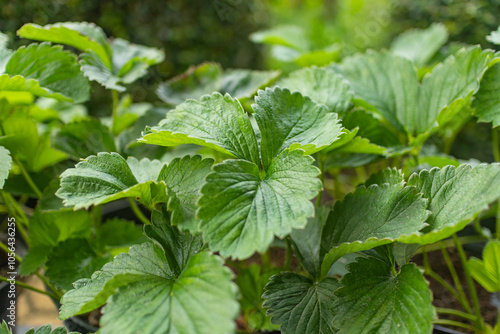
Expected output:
(321, 164)
(456, 313)
(138, 213)
(7, 251)
(288, 256)
(29, 287)
(27, 177)
(454, 323)
(114, 114)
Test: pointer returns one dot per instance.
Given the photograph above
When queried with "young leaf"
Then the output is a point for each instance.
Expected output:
(117, 233)
(371, 217)
(241, 209)
(243, 83)
(48, 71)
(290, 120)
(301, 305)
(322, 85)
(487, 271)
(456, 196)
(47, 329)
(47, 230)
(217, 121)
(494, 37)
(409, 44)
(373, 300)
(487, 101)
(80, 35)
(184, 178)
(5, 164)
(107, 177)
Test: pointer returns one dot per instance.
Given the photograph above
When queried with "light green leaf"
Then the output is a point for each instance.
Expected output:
(241, 209)
(305, 241)
(130, 61)
(184, 178)
(82, 138)
(4, 328)
(95, 69)
(71, 260)
(371, 217)
(290, 120)
(243, 83)
(48, 71)
(487, 271)
(322, 85)
(494, 37)
(47, 329)
(456, 196)
(388, 176)
(409, 44)
(107, 177)
(5, 165)
(49, 228)
(487, 100)
(301, 305)
(373, 300)
(218, 122)
(80, 35)
(291, 36)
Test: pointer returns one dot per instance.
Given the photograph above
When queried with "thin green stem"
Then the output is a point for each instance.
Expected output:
(27, 177)
(18, 214)
(265, 258)
(454, 323)
(321, 164)
(29, 287)
(57, 295)
(96, 214)
(7, 251)
(288, 256)
(137, 211)
(448, 243)
(470, 282)
(497, 227)
(496, 144)
(114, 114)
(454, 275)
(456, 313)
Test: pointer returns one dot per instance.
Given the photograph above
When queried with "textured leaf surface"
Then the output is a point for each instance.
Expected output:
(290, 120)
(487, 101)
(5, 164)
(456, 196)
(300, 305)
(487, 271)
(184, 178)
(243, 83)
(80, 35)
(47, 329)
(55, 70)
(217, 121)
(373, 300)
(371, 217)
(409, 44)
(94, 68)
(241, 211)
(322, 85)
(107, 177)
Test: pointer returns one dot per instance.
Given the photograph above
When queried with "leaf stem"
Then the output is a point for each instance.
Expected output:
(27, 177)
(56, 293)
(138, 213)
(29, 287)
(18, 214)
(288, 256)
(448, 243)
(456, 313)
(454, 323)
(454, 275)
(7, 251)
(496, 144)
(470, 282)
(321, 164)
(114, 94)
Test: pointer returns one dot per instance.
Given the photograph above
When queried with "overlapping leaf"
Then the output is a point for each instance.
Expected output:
(5, 164)
(301, 305)
(487, 101)
(487, 271)
(373, 300)
(241, 209)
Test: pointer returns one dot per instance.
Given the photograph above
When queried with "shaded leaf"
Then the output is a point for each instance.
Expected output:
(487, 271)
(5, 165)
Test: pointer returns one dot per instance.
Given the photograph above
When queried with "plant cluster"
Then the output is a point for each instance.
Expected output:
(242, 163)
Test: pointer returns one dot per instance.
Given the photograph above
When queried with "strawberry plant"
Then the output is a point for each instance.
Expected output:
(292, 203)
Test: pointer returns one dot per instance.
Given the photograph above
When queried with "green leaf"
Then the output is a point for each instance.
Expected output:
(218, 122)
(290, 36)
(130, 61)
(80, 35)
(47, 329)
(487, 271)
(243, 83)
(95, 69)
(322, 85)
(371, 217)
(107, 177)
(487, 102)
(290, 120)
(494, 37)
(71, 260)
(409, 44)
(82, 138)
(47, 230)
(301, 305)
(241, 209)
(373, 300)
(456, 196)
(184, 178)
(5, 165)
(117, 233)
(305, 241)
(4, 329)
(47, 71)
(388, 176)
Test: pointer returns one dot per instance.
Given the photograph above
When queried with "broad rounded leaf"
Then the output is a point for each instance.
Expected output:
(5, 164)
(322, 85)
(217, 121)
(487, 101)
(241, 209)
(371, 217)
(487, 271)
(290, 120)
(301, 305)
(373, 300)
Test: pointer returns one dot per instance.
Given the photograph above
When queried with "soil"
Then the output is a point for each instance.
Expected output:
(443, 298)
